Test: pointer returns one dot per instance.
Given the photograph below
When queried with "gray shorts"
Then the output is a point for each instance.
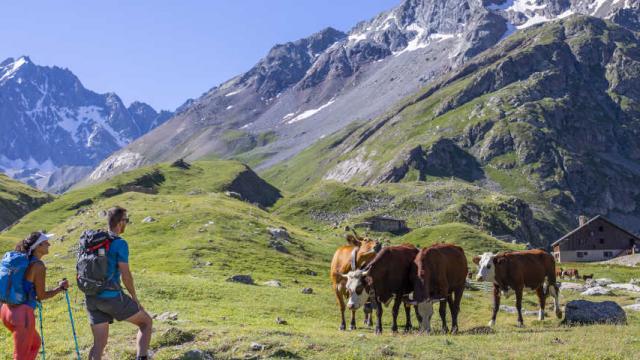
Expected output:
(103, 310)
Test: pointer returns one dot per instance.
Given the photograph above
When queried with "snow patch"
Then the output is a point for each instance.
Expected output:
(12, 68)
(416, 43)
(229, 107)
(536, 19)
(289, 116)
(357, 37)
(234, 93)
(441, 37)
(309, 113)
(246, 126)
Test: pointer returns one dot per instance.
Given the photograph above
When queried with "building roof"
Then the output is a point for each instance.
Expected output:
(373, 218)
(589, 222)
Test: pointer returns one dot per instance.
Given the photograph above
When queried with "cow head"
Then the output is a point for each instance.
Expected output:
(419, 276)
(367, 248)
(486, 267)
(357, 289)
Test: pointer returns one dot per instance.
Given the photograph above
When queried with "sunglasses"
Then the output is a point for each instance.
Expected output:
(126, 220)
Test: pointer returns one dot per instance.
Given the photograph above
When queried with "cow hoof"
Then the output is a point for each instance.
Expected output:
(454, 330)
(445, 330)
(492, 323)
(559, 314)
(378, 331)
(520, 325)
(342, 327)
(352, 327)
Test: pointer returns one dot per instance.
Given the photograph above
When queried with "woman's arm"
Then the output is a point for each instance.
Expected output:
(39, 281)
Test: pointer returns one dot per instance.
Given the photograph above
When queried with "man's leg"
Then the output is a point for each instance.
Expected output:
(145, 324)
(100, 338)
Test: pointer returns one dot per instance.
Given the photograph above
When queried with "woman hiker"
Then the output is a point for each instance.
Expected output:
(20, 319)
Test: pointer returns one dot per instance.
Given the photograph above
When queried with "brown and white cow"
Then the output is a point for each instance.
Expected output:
(386, 277)
(358, 253)
(439, 274)
(571, 274)
(534, 269)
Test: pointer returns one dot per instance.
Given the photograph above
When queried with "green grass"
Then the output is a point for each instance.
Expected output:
(181, 263)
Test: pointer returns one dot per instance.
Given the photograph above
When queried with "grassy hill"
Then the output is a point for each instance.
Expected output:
(202, 236)
(17, 199)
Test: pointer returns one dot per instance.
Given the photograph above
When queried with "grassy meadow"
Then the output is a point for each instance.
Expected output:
(201, 237)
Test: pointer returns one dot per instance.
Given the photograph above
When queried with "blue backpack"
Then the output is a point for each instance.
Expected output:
(14, 265)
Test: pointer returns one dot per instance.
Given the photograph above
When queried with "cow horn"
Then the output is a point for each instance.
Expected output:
(355, 233)
(365, 273)
(344, 275)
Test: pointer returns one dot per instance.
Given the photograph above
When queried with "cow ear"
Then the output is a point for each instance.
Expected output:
(352, 240)
(476, 260)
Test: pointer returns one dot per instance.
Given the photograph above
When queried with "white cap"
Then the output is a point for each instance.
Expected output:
(43, 237)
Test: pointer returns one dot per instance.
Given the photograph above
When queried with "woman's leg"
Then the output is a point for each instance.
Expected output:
(24, 325)
(35, 342)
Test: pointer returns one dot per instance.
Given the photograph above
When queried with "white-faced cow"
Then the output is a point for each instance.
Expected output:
(534, 269)
(358, 253)
(439, 274)
(386, 277)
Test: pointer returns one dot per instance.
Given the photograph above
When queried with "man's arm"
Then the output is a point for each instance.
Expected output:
(127, 279)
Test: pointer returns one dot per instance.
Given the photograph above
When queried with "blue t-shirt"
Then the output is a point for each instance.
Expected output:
(118, 253)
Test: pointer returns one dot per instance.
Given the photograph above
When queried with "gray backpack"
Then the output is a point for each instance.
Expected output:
(92, 263)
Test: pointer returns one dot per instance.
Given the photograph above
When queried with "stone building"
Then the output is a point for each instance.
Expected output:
(384, 224)
(597, 239)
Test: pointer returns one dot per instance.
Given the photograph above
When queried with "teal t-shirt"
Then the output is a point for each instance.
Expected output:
(118, 253)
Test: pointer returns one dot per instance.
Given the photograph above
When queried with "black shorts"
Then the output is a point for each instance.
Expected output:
(104, 310)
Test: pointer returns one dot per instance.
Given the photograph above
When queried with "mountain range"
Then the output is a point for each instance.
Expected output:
(305, 90)
(55, 130)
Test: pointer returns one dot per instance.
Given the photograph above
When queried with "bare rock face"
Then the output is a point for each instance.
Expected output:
(587, 312)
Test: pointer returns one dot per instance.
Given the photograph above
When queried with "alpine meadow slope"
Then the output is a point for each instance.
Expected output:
(18, 199)
(548, 116)
(199, 237)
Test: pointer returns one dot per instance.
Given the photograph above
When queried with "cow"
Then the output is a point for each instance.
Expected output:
(439, 273)
(387, 276)
(559, 273)
(587, 277)
(571, 273)
(359, 252)
(516, 270)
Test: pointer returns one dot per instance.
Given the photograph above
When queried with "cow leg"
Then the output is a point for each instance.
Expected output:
(353, 320)
(443, 315)
(454, 305)
(340, 298)
(368, 310)
(496, 304)
(554, 291)
(425, 309)
(541, 301)
(394, 313)
(379, 318)
(519, 306)
(418, 316)
(408, 325)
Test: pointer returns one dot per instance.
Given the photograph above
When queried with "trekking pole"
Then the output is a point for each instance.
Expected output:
(73, 326)
(39, 305)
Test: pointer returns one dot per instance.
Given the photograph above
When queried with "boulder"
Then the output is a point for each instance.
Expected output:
(603, 281)
(148, 220)
(307, 291)
(571, 286)
(513, 310)
(196, 355)
(626, 287)
(279, 234)
(233, 194)
(589, 312)
(243, 279)
(256, 346)
(633, 307)
(281, 321)
(597, 290)
(278, 245)
(166, 316)
(273, 283)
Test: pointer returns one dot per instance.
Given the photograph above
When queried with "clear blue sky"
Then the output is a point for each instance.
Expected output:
(165, 51)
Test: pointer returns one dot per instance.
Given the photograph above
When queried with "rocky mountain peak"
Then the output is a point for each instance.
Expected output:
(50, 121)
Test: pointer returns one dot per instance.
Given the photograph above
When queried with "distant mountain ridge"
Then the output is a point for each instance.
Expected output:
(304, 90)
(55, 130)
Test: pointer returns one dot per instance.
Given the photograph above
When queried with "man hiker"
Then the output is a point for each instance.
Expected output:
(109, 304)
